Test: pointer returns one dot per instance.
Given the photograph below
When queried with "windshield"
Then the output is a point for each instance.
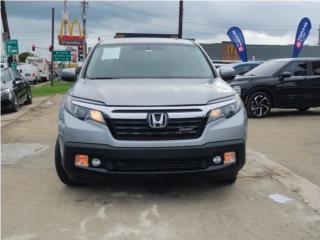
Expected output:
(144, 60)
(268, 68)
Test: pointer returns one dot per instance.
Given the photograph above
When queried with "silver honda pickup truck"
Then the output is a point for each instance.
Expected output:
(150, 106)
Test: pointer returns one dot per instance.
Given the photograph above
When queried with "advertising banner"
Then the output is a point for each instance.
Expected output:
(237, 38)
(302, 34)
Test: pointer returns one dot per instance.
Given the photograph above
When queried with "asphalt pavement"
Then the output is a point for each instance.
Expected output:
(277, 195)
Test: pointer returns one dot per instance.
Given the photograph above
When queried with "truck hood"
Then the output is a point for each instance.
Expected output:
(152, 92)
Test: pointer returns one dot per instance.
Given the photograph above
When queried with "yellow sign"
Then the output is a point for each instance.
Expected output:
(70, 27)
(70, 39)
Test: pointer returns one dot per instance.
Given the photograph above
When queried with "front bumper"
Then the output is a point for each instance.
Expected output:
(6, 100)
(115, 156)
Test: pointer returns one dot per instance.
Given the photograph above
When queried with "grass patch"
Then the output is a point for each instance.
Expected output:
(59, 87)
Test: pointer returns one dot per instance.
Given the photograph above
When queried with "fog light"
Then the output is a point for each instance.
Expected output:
(96, 162)
(229, 157)
(81, 160)
(216, 160)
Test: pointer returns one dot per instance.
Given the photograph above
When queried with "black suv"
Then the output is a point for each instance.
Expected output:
(280, 83)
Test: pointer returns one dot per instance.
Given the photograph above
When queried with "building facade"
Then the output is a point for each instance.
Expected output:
(225, 51)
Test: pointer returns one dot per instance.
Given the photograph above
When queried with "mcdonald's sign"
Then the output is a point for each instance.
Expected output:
(229, 52)
(70, 39)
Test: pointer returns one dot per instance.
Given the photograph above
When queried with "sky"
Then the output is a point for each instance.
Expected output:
(262, 22)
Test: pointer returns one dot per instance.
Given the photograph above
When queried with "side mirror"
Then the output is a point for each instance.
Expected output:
(69, 74)
(227, 73)
(17, 80)
(78, 70)
(285, 75)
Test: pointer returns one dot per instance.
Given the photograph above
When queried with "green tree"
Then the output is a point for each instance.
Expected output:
(24, 55)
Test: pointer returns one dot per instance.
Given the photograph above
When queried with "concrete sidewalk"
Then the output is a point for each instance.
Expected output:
(269, 201)
(8, 117)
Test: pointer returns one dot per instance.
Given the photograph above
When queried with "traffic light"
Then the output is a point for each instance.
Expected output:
(80, 53)
(50, 48)
(33, 48)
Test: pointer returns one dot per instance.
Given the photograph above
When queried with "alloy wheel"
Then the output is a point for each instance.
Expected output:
(260, 105)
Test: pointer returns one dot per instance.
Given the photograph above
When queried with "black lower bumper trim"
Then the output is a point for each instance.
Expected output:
(146, 161)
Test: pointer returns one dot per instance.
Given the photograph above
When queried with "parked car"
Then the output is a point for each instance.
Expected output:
(242, 68)
(280, 83)
(14, 90)
(69, 74)
(218, 65)
(29, 72)
(152, 107)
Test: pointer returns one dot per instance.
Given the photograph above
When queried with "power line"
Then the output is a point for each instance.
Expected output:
(188, 21)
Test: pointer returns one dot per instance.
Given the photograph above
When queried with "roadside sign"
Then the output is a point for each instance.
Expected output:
(61, 56)
(13, 65)
(12, 47)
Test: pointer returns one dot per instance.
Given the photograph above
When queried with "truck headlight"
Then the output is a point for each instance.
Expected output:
(81, 112)
(226, 111)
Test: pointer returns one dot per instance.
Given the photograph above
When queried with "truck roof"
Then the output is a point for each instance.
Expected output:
(148, 40)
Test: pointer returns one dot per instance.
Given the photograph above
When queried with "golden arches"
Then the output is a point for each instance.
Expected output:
(231, 50)
(70, 26)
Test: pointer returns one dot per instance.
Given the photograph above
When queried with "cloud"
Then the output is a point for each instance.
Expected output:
(252, 37)
(268, 22)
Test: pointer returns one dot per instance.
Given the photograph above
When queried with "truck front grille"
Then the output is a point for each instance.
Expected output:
(157, 165)
(138, 129)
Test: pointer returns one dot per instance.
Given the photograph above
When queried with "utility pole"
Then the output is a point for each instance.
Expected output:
(180, 18)
(6, 30)
(52, 46)
(84, 28)
(65, 18)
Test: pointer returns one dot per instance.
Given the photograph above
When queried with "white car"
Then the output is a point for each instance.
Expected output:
(29, 72)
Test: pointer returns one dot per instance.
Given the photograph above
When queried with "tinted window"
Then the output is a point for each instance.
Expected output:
(315, 68)
(296, 68)
(5, 76)
(140, 60)
(242, 69)
(268, 68)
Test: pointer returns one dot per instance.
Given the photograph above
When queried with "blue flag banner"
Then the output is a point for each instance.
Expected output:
(237, 38)
(302, 34)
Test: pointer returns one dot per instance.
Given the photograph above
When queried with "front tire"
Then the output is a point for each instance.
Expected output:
(228, 179)
(62, 174)
(225, 179)
(14, 104)
(29, 97)
(258, 105)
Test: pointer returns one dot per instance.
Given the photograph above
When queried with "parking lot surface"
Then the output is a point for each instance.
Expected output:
(277, 195)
